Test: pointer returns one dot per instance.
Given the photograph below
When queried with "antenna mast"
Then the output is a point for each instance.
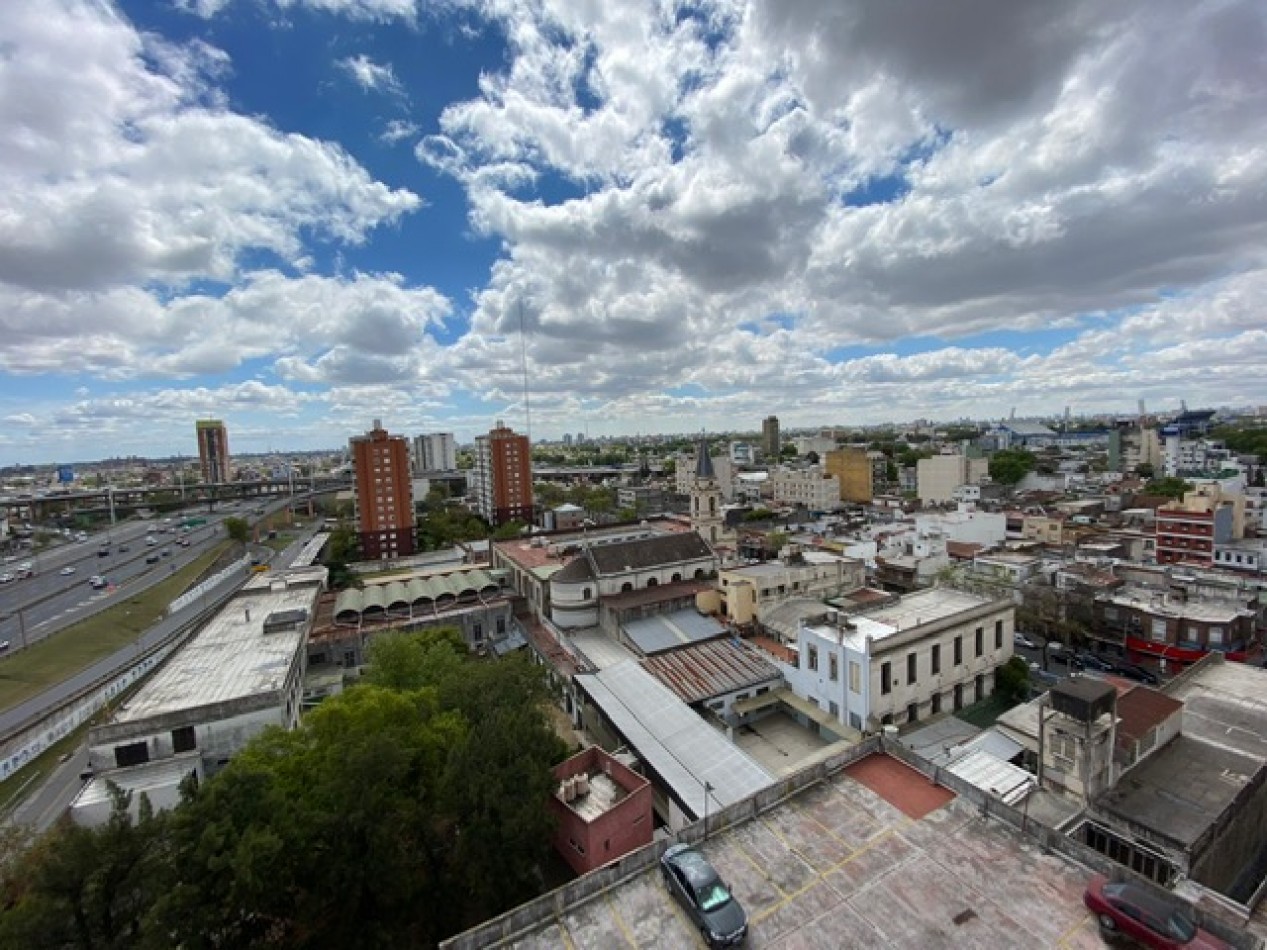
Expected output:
(523, 358)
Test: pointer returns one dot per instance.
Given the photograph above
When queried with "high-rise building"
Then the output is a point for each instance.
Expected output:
(503, 476)
(436, 452)
(771, 445)
(384, 494)
(213, 450)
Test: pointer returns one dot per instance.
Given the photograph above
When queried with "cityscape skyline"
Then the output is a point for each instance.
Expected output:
(300, 216)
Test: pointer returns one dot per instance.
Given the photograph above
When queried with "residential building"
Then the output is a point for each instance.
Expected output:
(1177, 626)
(807, 487)
(853, 469)
(965, 525)
(602, 809)
(771, 443)
(1188, 530)
(644, 499)
(819, 444)
(744, 594)
(503, 476)
(384, 494)
(213, 451)
(436, 452)
(240, 674)
(929, 652)
(939, 476)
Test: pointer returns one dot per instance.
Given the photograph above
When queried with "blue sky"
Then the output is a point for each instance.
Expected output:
(302, 215)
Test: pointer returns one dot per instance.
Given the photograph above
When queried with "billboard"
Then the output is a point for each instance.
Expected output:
(65, 474)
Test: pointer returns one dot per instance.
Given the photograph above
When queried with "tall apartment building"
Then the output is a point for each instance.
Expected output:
(939, 476)
(435, 452)
(384, 494)
(808, 487)
(853, 469)
(213, 450)
(503, 476)
(1188, 530)
(770, 442)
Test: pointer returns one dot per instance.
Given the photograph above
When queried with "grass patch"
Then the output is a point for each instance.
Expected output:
(29, 672)
(983, 714)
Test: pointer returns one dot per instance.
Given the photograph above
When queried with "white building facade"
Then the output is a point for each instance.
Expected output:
(934, 651)
(810, 488)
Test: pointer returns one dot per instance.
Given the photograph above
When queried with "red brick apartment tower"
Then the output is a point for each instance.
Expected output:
(503, 476)
(603, 810)
(384, 494)
(213, 451)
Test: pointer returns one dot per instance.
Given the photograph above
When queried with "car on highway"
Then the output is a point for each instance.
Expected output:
(705, 897)
(97, 582)
(1146, 915)
(4, 645)
(151, 540)
(67, 570)
(7, 576)
(1021, 640)
(124, 548)
(151, 558)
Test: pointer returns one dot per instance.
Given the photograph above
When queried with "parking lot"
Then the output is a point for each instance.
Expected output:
(875, 857)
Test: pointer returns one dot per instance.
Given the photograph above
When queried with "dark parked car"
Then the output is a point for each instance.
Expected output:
(704, 895)
(1137, 673)
(1150, 918)
(1064, 657)
(1090, 661)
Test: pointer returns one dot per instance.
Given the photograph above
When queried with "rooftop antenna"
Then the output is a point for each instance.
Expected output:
(523, 358)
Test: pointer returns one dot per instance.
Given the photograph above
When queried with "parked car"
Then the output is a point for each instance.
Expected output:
(1021, 640)
(704, 895)
(1135, 672)
(1064, 657)
(1148, 917)
(1090, 661)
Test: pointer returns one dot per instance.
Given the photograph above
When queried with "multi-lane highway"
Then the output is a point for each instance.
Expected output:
(36, 607)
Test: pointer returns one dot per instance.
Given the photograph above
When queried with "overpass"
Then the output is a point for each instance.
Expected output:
(39, 507)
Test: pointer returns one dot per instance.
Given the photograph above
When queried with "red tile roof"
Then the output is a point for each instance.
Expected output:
(1142, 709)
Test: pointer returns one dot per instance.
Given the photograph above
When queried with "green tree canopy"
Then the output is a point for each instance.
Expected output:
(237, 529)
(1170, 487)
(1009, 466)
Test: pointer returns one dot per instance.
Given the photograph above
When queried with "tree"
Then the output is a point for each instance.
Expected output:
(237, 529)
(1145, 470)
(1009, 466)
(1011, 680)
(1169, 487)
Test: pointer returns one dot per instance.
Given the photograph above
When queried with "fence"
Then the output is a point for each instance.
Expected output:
(190, 596)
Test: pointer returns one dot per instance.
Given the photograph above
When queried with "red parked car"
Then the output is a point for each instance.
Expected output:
(1142, 914)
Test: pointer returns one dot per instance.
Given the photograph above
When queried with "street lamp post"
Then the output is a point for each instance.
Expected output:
(708, 790)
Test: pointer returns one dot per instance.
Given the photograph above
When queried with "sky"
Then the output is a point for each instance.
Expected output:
(299, 216)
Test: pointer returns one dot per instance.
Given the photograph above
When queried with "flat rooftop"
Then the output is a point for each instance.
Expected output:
(926, 606)
(873, 857)
(232, 658)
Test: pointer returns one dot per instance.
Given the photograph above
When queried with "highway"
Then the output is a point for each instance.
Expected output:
(39, 606)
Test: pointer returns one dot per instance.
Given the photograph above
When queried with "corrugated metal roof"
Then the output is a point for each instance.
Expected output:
(998, 778)
(683, 750)
(700, 672)
(666, 631)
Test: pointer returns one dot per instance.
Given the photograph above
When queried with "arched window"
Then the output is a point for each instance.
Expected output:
(712, 504)
(626, 587)
(585, 594)
(676, 578)
(699, 573)
(652, 582)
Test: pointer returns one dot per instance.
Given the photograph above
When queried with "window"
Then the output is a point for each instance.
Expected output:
(910, 668)
(980, 640)
(998, 634)
(855, 677)
(812, 657)
(183, 739)
(886, 678)
(958, 652)
(935, 704)
(936, 659)
(1159, 630)
(135, 753)
(834, 710)
(833, 667)
(1216, 635)
(912, 712)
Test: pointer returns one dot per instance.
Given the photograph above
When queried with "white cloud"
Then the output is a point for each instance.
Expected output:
(397, 130)
(123, 165)
(371, 76)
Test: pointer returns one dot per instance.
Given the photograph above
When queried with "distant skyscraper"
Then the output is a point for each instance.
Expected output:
(771, 445)
(503, 476)
(213, 450)
(437, 452)
(384, 494)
